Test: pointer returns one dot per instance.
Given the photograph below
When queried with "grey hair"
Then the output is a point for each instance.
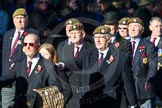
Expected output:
(155, 19)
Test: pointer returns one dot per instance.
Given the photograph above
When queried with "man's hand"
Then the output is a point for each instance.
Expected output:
(147, 86)
(60, 65)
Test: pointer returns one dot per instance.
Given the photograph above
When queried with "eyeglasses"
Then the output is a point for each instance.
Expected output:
(43, 2)
(122, 28)
(30, 44)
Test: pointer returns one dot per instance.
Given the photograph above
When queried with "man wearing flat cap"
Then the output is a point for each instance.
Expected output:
(145, 11)
(73, 52)
(110, 21)
(67, 24)
(104, 69)
(12, 51)
(144, 63)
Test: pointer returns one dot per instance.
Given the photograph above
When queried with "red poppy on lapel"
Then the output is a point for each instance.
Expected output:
(144, 55)
(39, 68)
(144, 58)
(111, 59)
(141, 48)
(25, 33)
(117, 44)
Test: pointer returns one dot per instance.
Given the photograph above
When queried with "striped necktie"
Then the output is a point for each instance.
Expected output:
(29, 68)
(15, 43)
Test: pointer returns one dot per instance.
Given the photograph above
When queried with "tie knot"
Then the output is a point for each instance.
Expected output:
(101, 58)
(153, 40)
(77, 47)
(30, 63)
(133, 42)
(101, 54)
(18, 33)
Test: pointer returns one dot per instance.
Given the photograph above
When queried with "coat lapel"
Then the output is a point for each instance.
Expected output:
(68, 52)
(20, 42)
(24, 68)
(137, 55)
(109, 69)
(160, 43)
(35, 71)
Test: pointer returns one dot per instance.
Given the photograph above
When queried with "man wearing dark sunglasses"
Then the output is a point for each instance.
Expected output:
(12, 51)
(123, 28)
(30, 73)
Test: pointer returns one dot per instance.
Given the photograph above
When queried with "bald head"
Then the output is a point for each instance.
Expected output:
(31, 45)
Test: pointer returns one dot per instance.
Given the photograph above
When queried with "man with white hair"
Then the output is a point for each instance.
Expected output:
(144, 62)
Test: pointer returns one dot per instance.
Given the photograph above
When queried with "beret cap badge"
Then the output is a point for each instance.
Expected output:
(70, 22)
(74, 27)
(102, 30)
(124, 22)
(134, 20)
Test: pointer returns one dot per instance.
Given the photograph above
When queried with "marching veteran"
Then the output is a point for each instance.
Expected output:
(30, 73)
(144, 62)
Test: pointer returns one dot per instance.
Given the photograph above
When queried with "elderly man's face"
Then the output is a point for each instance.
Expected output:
(76, 36)
(135, 30)
(101, 41)
(156, 28)
(30, 45)
(20, 22)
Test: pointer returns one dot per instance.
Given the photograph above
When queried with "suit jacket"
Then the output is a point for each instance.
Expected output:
(123, 44)
(39, 78)
(100, 85)
(144, 65)
(157, 83)
(74, 76)
(17, 54)
(60, 49)
(159, 43)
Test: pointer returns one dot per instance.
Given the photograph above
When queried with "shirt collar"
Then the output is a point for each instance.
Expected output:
(35, 59)
(104, 52)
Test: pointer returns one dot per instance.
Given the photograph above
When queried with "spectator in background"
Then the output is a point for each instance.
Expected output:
(130, 7)
(67, 6)
(123, 28)
(12, 51)
(4, 20)
(145, 12)
(39, 16)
